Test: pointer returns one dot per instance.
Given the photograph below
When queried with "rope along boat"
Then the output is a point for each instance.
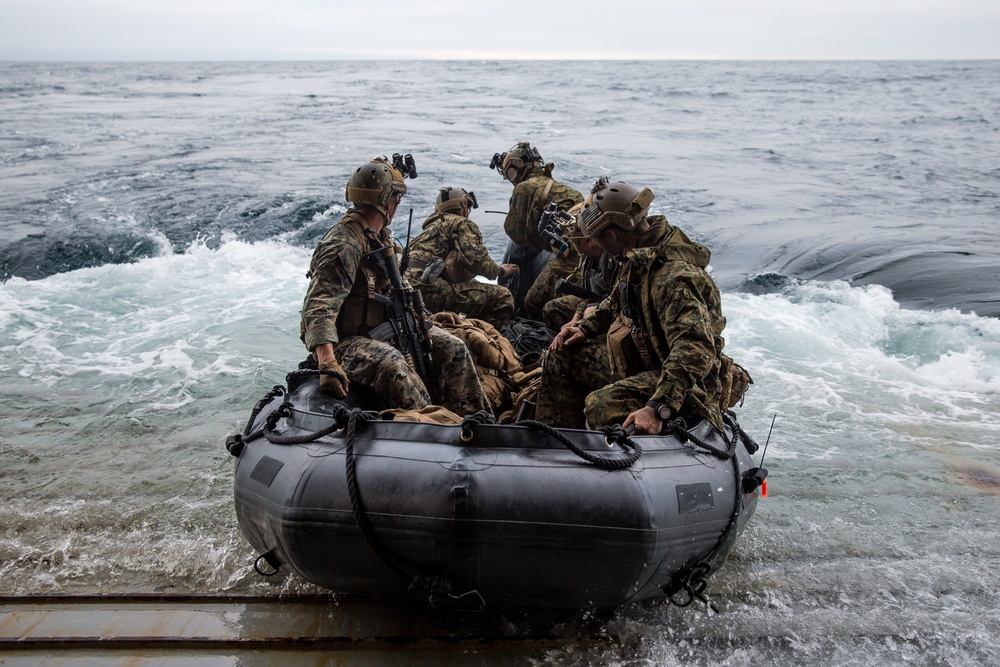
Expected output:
(480, 513)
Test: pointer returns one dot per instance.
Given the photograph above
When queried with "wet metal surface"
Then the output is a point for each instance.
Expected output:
(206, 630)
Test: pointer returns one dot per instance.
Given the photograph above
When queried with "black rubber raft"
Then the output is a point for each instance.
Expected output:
(482, 514)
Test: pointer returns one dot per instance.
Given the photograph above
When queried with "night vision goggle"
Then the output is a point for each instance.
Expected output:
(405, 164)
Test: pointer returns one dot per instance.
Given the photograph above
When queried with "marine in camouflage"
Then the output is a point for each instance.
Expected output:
(529, 199)
(527, 202)
(339, 309)
(543, 289)
(592, 273)
(677, 305)
(443, 233)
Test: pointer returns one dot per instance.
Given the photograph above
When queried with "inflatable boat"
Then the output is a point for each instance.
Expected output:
(478, 514)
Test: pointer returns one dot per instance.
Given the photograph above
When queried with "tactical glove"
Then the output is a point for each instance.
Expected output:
(335, 380)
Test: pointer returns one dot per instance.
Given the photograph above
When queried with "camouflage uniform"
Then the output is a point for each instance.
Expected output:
(677, 306)
(446, 232)
(527, 201)
(594, 274)
(339, 309)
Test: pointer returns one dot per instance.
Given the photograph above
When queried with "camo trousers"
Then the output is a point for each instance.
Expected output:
(382, 368)
(579, 389)
(482, 301)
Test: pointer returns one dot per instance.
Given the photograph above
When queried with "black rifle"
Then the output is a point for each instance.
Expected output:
(563, 286)
(408, 323)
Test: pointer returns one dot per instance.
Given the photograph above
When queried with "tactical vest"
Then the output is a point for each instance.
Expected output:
(438, 242)
(360, 313)
(629, 346)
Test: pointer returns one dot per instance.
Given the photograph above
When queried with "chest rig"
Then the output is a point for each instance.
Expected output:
(630, 346)
(360, 312)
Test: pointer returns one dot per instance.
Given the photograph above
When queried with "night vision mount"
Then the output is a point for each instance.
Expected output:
(405, 164)
(526, 155)
(551, 225)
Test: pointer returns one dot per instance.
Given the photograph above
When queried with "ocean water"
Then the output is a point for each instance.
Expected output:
(157, 221)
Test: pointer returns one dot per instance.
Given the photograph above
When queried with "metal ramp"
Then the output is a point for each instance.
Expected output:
(141, 630)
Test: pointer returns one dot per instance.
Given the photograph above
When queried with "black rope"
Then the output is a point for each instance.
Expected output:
(749, 443)
(613, 434)
(277, 390)
(694, 580)
(678, 427)
(236, 442)
(472, 421)
(431, 584)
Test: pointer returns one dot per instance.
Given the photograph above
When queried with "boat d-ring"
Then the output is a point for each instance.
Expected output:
(271, 560)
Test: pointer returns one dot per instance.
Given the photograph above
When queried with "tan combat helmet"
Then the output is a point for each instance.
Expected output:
(515, 164)
(373, 183)
(613, 203)
(453, 199)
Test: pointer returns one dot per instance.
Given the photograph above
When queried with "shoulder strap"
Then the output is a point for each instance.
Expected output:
(548, 188)
(356, 228)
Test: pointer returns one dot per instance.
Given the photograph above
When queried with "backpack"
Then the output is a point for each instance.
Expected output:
(494, 356)
(529, 337)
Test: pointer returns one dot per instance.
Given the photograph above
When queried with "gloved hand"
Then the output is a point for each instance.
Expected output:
(509, 270)
(336, 383)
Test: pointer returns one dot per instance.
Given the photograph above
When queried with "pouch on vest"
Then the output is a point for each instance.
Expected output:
(735, 381)
(433, 270)
(626, 358)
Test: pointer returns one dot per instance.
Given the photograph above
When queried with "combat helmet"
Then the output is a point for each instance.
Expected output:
(613, 203)
(453, 199)
(373, 183)
(515, 164)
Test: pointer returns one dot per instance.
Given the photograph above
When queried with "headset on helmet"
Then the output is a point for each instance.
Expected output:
(516, 162)
(373, 183)
(453, 199)
(613, 203)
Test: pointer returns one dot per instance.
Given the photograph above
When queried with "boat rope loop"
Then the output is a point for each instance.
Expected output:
(749, 443)
(436, 586)
(613, 435)
(236, 442)
(694, 580)
(693, 584)
(678, 428)
(277, 390)
(472, 421)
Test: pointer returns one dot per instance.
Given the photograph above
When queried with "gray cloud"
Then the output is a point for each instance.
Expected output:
(306, 29)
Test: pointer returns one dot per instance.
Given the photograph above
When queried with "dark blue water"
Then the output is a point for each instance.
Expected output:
(156, 224)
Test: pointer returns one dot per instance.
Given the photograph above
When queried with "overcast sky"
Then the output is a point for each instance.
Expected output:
(497, 29)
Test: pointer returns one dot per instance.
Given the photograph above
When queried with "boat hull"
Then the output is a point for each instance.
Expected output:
(509, 514)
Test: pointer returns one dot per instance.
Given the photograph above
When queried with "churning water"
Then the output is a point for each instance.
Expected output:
(157, 221)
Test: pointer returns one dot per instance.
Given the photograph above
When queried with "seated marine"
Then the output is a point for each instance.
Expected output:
(448, 254)
(344, 313)
(594, 274)
(652, 350)
(534, 189)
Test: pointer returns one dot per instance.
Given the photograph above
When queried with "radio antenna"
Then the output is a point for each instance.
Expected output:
(768, 438)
